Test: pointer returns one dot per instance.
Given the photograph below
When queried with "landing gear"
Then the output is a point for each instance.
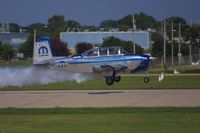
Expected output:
(117, 78)
(110, 80)
(146, 79)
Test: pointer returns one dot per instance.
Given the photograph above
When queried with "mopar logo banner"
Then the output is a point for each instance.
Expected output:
(42, 48)
(43, 51)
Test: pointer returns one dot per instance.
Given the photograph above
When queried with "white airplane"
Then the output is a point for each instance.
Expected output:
(110, 62)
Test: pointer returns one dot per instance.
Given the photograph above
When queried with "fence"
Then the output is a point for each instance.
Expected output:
(185, 60)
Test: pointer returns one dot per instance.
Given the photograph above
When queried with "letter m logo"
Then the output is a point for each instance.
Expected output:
(43, 51)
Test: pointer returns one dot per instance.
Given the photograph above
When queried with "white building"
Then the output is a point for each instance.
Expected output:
(142, 38)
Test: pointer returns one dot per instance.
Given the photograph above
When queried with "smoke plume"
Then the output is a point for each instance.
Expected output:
(31, 75)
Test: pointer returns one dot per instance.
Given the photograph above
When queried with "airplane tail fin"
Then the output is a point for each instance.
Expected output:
(42, 51)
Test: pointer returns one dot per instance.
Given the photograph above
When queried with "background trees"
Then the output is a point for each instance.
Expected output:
(57, 24)
(157, 46)
(82, 47)
(59, 48)
(143, 22)
(27, 47)
(14, 27)
(6, 51)
(126, 45)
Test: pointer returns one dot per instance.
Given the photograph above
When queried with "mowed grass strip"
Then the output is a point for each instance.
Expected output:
(130, 83)
(101, 120)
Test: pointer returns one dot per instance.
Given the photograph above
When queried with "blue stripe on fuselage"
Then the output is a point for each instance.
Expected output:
(101, 59)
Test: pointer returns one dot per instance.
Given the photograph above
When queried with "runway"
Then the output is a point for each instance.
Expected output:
(100, 98)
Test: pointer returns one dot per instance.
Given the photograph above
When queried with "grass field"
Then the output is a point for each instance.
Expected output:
(16, 63)
(136, 82)
(101, 120)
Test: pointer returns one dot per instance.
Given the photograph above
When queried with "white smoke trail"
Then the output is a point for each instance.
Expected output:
(30, 75)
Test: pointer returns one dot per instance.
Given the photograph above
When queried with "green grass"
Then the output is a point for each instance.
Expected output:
(136, 82)
(184, 71)
(15, 63)
(101, 120)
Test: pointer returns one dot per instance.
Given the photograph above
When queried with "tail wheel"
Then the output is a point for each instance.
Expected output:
(109, 81)
(146, 79)
(117, 78)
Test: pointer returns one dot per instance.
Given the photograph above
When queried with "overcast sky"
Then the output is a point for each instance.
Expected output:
(92, 12)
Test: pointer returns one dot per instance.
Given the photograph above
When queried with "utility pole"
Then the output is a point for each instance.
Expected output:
(34, 40)
(34, 36)
(190, 51)
(172, 50)
(179, 45)
(190, 45)
(199, 53)
(162, 31)
(164, 47)
(134, 27)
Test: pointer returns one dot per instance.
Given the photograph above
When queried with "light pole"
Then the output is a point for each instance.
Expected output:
(134, 27)
(164, 46)
(101, 39)
(190, 50)
(179, 45)
(172, 50)
(34, 35)
(199, 53)
(34, 40)
(190, 45)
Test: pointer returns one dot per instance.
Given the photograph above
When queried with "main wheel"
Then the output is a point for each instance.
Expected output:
(146, 79)
(109, 81)
(117, 78)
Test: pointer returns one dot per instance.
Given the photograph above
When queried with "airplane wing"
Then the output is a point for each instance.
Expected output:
(117, 68)
(110, 70)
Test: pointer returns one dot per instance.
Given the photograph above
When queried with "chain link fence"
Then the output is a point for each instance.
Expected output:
(185, 60)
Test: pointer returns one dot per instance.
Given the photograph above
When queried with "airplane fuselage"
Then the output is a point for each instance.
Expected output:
(93, 64)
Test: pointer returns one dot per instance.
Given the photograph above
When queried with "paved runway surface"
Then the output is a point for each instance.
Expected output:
(100, 98)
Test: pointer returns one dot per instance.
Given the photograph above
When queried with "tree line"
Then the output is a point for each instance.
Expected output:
(6, 51)
(57, 24)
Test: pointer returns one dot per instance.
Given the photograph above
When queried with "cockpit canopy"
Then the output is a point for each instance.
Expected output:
(98, 51)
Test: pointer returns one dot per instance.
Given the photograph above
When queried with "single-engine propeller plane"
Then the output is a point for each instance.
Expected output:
(110, 61)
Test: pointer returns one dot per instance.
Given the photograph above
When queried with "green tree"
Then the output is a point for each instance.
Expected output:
(41, 29)
(13, 27)
(185, 28)
(109, 24)
(193, 38)
(72, 25)
(143, 22)
(56, 25)
(157, 46)
(126, 45)
(0, 48)
(90, 28)
(7, 52)
(27, 47)
(82, 47)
